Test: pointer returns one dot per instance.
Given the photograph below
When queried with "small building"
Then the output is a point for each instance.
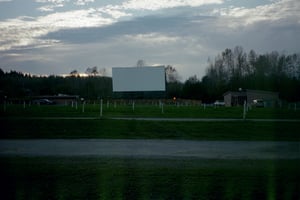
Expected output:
(60, 99)
(236, 98)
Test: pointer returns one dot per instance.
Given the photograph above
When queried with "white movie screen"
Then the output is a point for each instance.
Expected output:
(138, 79)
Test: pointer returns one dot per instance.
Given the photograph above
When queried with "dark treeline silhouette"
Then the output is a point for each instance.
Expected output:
(17, 85)
(230, 70)
(235, 69)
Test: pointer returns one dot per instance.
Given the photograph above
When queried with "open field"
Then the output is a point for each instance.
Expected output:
(123, 129)
(109, 178)
(105, 177)
(41, 122)
(142, 110)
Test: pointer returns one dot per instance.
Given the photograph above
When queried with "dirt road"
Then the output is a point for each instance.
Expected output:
(151, 148)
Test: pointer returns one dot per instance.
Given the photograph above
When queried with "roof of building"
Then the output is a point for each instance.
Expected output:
(244, 92)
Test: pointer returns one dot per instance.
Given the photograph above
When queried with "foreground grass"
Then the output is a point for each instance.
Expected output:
(18, 121)
(13, 128)
(111, 178)
(168, 111)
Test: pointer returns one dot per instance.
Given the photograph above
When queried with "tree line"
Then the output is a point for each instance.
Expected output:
(231, 70)
(235, 69)
(18, 85)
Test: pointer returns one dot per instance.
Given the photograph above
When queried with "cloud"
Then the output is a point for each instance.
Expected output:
(181, 33)
(83, 2)
(51, 4)
(21, 33)
(151, 39)
(49, 8)
(112, 12)
(142, 27)
(274, 12)
(163, 4)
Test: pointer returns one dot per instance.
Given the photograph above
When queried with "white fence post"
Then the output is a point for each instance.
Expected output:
(244, 112)
(101, 107)
(133, 106)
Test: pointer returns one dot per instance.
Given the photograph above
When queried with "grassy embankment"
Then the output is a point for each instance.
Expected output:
(92, 178)
(17, 122)
(125, 178)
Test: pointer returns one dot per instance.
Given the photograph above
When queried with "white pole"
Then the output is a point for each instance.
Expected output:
(76, 105)
(83, 106)
(107, 104)
(244, 112)
(162, 108)
(24, 105)
(101, 110)
(133, 106)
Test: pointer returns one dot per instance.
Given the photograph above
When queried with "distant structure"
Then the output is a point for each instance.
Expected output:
(139, 82)
(252, 97)
(60, 99)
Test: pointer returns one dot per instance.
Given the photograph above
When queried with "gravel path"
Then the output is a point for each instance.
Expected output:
(151, 148)
(162, 119)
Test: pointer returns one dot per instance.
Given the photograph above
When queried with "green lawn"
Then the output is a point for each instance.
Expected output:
(124, 178)
(29, 122)
(109, 178)
(168, 111)
(108, 128)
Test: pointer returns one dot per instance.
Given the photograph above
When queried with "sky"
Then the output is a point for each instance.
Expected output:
(52, 37)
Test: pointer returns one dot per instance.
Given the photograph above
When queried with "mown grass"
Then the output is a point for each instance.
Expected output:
(112, 178)
(125, 129)
(118, 178)
(168, 111)
(30, 122)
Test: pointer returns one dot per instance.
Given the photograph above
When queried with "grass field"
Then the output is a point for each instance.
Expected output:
(107, 128)
(168, 111)
(129, 178)
(104, 178)
(29, 122)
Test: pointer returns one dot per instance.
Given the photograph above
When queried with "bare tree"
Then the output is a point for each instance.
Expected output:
(102, 72)
(252, 58)
(240, 61)
(93, 71)
(172, 74)
(193, 79)
(228, 59)
(74, 73)
(140, 63)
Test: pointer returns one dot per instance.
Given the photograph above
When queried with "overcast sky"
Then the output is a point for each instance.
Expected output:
(58, 36)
